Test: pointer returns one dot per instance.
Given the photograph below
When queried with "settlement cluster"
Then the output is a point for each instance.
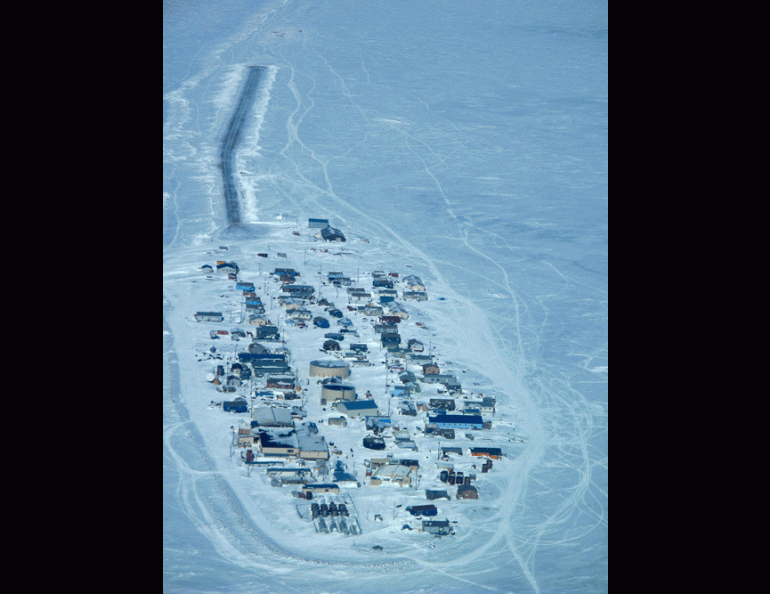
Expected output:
(335, 389)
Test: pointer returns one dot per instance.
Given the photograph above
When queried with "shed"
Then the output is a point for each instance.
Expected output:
(413, 283)
(422, 510)
(467, 492)
(239, 405)
(209, 316)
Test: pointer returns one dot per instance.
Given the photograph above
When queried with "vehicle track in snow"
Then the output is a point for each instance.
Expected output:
(231, 139)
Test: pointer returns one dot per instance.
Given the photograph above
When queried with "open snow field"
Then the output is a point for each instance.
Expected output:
(467, 144)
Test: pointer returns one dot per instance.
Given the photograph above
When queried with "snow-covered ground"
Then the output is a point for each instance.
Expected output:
(466, 143)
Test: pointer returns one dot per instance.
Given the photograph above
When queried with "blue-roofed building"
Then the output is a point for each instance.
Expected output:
(358, 408)
(456, 421)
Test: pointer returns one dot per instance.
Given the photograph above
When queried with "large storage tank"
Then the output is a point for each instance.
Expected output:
(332, 392)
(329, 368)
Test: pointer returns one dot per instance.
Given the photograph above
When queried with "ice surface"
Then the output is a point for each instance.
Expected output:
(467, 143)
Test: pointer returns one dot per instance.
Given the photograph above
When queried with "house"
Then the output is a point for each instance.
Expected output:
(290, 272)
(413, 283)
(332, 234)
(378, 423)
(359, 297)
(209, 316)
(269, 416)
(437, 527)
(358, 408)
(244, 286)
(372, 310)
(317, 223)
(486, 406)
(277, 442)
(456, 421)
(394, 474)
(396, 310)
(447, 451)
(301, 291)
(207, 269)
(494, 453)
(227, 267)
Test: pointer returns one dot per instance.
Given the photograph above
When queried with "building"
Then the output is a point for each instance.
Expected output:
(456, 421)
(374, 443)
(332, 234)
(227, 267)
(312, 446)
(430, 369)
(277, 442)
(209, 316)
(207, 269)
(486, 406)
(413, 283)
(437, 527)
(494, 453)
(394, 474)
(244, 286)
(358, 408)
(321, 488)
(415, 296)
(269, 416)
(317, 223)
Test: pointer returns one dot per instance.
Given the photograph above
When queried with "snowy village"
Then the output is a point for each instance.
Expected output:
(336, 396)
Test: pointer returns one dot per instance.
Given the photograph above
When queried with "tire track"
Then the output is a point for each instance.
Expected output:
(230, 141)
